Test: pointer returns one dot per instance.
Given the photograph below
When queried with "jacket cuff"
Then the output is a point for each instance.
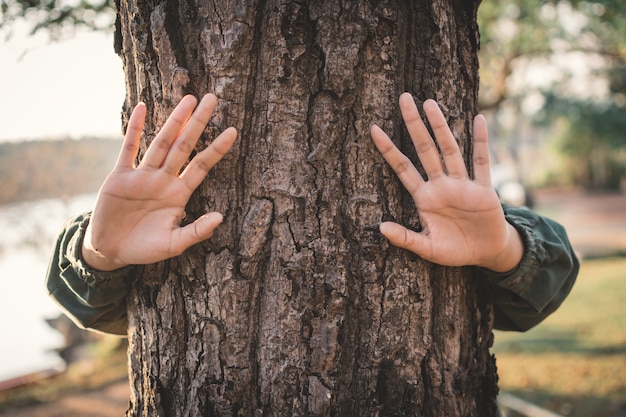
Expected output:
(91, 276)
(521, 280)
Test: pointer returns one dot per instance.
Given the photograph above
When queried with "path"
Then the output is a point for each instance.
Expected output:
(595, 223)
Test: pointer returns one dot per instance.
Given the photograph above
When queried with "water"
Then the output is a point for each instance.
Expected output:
(27, 234)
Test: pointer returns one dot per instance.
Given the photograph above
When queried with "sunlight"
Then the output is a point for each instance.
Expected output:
(70, 88)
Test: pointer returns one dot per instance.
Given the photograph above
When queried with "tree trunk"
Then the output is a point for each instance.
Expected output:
(298, 306)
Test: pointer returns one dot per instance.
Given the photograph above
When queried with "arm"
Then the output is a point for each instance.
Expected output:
(464, 224)
(526, 295)
(92, 299)
(136, 218)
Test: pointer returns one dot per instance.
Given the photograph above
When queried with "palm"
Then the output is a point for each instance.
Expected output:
(457, 219)
(136, 219)
(462, 220)
(153, 209)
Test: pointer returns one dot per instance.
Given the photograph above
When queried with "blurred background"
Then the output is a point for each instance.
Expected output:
(553, 89)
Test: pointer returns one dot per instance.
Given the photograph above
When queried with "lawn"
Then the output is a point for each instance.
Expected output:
(574, 363)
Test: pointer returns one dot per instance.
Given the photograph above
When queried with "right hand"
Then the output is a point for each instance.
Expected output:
(138, 211)
(462, 219)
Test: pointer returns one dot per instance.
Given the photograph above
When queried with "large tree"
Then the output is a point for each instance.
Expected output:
(297, 305)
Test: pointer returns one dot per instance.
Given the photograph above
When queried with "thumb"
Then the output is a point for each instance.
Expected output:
(402, 237)
(201, 229)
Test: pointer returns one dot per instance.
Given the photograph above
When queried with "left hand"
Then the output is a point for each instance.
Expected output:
(462, 219)
(138, 211)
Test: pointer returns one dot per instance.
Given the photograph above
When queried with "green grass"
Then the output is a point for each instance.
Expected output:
(574, 363)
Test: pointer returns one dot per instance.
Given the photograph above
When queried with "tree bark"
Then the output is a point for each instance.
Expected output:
(298, 306)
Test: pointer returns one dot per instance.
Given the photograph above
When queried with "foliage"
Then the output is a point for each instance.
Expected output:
(58, 16)
(508, 32)
(591, 124)
(516, 33)
(569, 57)
(593, 135)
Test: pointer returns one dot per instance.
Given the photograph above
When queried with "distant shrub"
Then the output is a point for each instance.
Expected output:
(34, 170)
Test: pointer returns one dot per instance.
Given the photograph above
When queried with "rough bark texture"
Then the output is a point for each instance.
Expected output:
(298, 306)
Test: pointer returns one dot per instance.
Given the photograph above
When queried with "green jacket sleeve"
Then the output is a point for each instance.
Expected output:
(92, 299)
(533, 290)
(522, 297)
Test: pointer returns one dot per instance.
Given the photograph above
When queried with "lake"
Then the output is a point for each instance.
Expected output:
(28, 232)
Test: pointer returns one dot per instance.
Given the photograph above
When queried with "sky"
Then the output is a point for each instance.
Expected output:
(73, 87)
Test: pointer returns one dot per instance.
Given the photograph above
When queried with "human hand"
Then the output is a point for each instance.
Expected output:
(462, 219)
(137, 214)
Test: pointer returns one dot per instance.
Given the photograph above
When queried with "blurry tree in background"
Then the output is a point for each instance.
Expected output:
(562, 65)
(58, 17)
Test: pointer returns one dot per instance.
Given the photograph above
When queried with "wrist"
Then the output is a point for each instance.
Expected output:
(511, 256)
(94, 259)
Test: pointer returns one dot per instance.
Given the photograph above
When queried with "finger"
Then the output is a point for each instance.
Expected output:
(160, 146)
(424, 146)
(202, 163)
(448, 146)
(401, 165)
(130, 146)
(480, 154)
(196, 232)
(186, 141)
(402, 237)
